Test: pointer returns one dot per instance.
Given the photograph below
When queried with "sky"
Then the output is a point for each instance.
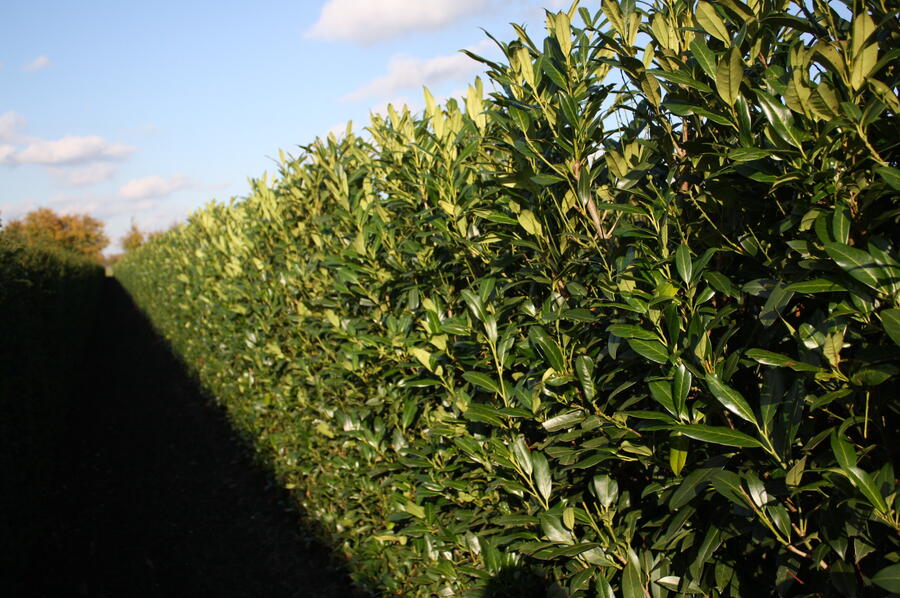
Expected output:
(145, 112)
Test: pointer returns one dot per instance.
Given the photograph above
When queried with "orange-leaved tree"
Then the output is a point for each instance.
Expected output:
(79, 233)
(133, 239)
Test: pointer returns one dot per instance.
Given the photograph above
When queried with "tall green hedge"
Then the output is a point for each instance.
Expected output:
(48, 301)
(630, 322)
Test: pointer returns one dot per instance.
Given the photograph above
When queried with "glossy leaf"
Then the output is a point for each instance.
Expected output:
(730, 398)
(888, 578)
(711, 22)
(542, 477)
(729, 74)
(547, 347)
(683, 264)
(778, 360)
(482, 381)
(718, 435)
(855, 262)
(890, 319)
(652, 350)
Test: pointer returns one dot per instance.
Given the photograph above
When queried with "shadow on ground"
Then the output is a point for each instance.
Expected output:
(157, 496)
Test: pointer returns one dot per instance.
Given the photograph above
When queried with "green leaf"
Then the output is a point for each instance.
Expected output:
(889, 175)
(818, 285)
(729, 74)
(890, 319)
(604, 590)
(781, 518)
(661, 391)
(855, 262)
(728, 484)
(522, 454)
(711, 22)
(554, 530)
(530, 223)
(705, 57)
(779, 117)
(564, 421)
(652, 350)
(682, 109)
(718, 435)
(632, 331)
(779, 360)
(542, 478)
(584, 368)
(778, 299)
(482, 380)
(678, 445)
(681, 386)
(864, 56)
(474, 302)
(682, 263)
(840, 223)
(546, 179)
(888, 578)
(748, 154)
(730, 398)
(547, 348)
(720, 282)
(694, 483)
(866, 485)
(484, 414)
(631, 582)
(414, 510)
(874, 374)
(605, 489)
(423, 356)
(681, 78)
(843, 451)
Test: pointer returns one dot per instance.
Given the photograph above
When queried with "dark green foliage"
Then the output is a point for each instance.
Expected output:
(47, 303)
(637, 336)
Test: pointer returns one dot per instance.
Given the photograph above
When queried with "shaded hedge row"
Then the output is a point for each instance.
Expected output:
(48, 299)
(630, 322)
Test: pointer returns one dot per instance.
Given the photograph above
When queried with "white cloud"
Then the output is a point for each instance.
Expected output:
(367, 21)
(153, 186)
(10, 121)
(82, 177)
(6, 153)
(405, 72)
(71, 150)
(41, 62)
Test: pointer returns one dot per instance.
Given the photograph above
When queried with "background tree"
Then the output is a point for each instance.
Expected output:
(133, 239)
(79, 233)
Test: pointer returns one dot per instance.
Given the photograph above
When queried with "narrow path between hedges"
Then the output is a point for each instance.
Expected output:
(159, 498)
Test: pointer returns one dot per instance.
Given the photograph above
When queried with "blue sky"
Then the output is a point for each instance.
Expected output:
(148, 111)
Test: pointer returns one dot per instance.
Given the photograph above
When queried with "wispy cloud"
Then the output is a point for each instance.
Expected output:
(41, 62)
(6, 152)
(406, 72)
(83, 177)
(70, 150)
(10, 122)
(368, 21)
(154, 186)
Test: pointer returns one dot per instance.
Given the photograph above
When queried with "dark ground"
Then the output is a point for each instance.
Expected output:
(157, 496)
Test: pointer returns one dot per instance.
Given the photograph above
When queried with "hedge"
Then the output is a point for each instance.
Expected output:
(628, 325)
(48, 301)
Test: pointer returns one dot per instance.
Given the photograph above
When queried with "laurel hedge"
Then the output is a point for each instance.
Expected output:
(627, 326)
(48, 299)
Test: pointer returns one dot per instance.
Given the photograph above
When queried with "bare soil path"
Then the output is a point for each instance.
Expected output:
(158, 497)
